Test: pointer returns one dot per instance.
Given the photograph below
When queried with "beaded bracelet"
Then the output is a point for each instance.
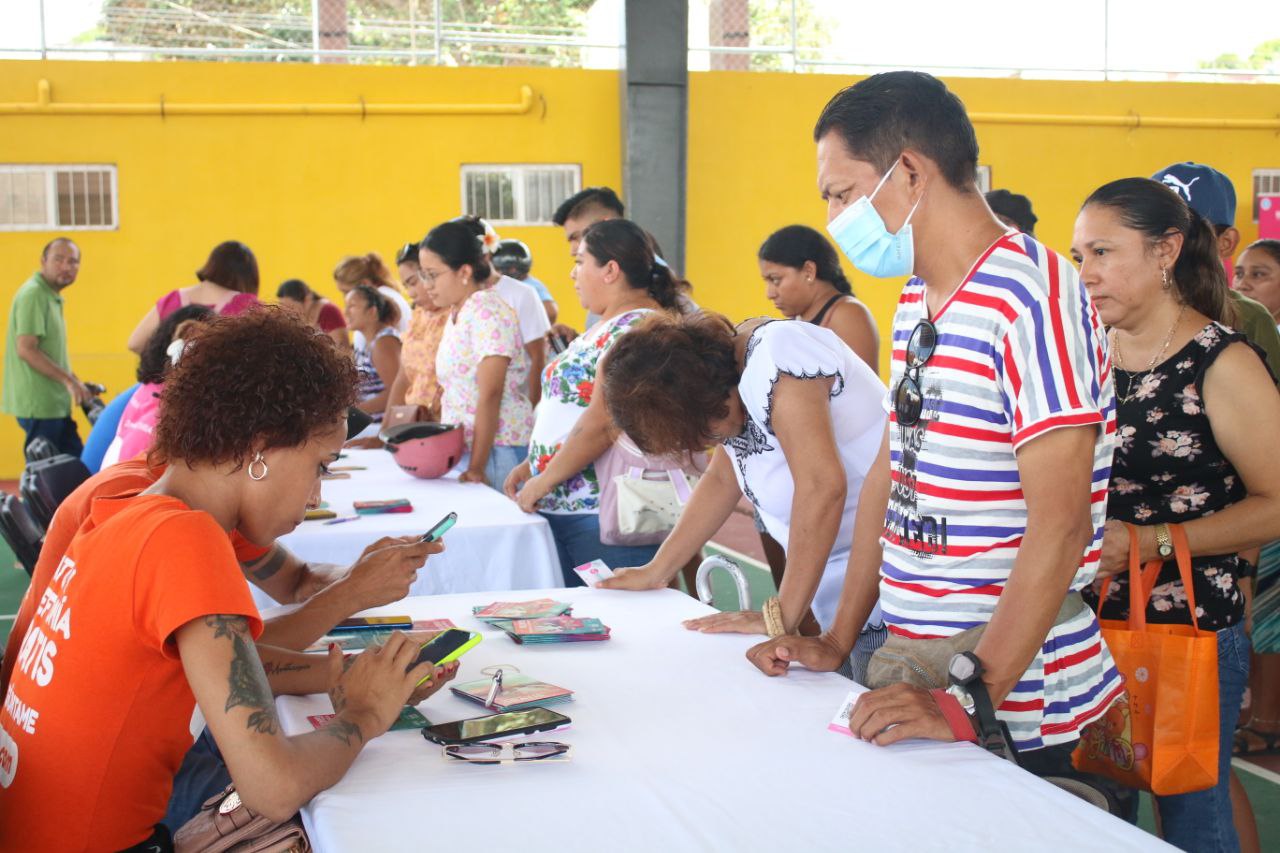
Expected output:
(773, 624)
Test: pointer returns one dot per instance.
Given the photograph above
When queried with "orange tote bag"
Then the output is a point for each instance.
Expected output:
(1163, 735)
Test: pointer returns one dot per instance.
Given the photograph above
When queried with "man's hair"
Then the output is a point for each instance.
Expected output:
(580, 202)
(885, 114)
(48, 247)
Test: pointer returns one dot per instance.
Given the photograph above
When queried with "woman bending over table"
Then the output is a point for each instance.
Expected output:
(801, 420)
(481, 364)
(298, 297)
(617, 277)
(1192, 400)
(371, 314)
(148, 614)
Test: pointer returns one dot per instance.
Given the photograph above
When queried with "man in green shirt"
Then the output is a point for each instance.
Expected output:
(1212, 195)
(39, 387)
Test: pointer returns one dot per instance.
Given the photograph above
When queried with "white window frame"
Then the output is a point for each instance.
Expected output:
(51, 172)
(1269, 176)
(983, 179)
(516, 171)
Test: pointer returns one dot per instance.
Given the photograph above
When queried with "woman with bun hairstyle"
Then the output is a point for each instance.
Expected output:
(618, 277)
(370, 269)
(227, 283)
(1192, 397)
(481, 363)
(298, 297)
(804, 281)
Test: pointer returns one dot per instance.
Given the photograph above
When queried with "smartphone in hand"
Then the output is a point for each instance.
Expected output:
(442, 527)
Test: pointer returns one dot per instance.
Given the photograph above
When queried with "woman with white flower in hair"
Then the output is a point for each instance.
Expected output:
(481, 364)
(524, 300)
(1192, 397)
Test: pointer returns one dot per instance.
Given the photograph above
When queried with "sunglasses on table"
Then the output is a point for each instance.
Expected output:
(504, 753)
(908, 398)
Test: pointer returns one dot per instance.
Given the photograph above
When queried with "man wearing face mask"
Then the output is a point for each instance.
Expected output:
(991, 482)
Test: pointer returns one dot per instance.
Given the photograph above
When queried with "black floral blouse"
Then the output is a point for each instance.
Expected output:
(1169, 469)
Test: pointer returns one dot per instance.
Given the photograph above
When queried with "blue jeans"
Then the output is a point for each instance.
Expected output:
(61, 432)
(201, 775)
(1201, 821)
(502, 458)
(578, 541)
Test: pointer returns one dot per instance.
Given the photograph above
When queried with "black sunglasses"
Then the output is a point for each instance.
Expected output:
(908, 399)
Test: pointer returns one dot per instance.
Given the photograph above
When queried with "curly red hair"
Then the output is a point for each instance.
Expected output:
(668, 378)
(260, 379)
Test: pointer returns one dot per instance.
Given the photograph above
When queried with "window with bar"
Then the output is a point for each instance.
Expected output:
(518, 194)
(1265, 182)
(58, 197)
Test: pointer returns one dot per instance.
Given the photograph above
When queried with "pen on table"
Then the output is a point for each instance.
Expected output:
(342, 519)
(494, 689)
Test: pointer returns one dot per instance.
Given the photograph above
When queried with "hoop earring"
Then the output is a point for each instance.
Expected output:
(258, 460)
(1164, 277)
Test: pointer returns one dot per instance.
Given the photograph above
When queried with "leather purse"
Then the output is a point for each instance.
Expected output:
(226, 825)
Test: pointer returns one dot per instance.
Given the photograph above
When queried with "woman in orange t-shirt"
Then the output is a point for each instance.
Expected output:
(148, 615)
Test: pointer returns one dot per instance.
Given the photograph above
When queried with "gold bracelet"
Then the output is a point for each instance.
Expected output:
(773, 624)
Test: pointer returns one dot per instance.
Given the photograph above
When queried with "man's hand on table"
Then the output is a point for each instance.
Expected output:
(775, 656)
(911, 711)
(386, 570)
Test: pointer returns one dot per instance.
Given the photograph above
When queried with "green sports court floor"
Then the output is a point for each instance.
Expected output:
(1262, 784)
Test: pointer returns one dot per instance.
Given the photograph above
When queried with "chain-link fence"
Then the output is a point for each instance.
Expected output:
(1080, 39)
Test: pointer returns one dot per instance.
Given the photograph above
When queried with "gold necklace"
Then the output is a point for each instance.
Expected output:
(1155, 359)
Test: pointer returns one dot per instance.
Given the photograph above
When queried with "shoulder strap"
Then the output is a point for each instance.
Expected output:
(821, 315)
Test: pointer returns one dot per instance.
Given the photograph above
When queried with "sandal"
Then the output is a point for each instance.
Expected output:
(1251, 741)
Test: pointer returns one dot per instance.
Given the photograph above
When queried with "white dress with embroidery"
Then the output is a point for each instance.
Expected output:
(805, 351)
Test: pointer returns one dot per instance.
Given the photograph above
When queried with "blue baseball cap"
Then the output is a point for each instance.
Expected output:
(1209, 192)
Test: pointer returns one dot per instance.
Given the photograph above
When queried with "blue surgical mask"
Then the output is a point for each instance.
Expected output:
(861, 234)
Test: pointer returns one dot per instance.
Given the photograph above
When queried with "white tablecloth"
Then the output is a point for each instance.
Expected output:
(493, 546)
(680, 745)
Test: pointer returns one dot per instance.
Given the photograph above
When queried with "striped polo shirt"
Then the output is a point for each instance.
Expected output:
(1020, 352)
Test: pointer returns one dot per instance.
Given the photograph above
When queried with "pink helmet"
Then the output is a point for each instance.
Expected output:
(425, 449)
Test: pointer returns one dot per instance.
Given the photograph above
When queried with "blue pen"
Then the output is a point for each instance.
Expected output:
(344, 518)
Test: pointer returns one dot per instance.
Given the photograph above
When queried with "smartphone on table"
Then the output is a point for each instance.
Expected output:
(442, 527)
(373, 623)
(495, 726)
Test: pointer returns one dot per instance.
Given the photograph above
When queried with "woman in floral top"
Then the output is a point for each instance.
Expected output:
(618, 277)
(417, 384)
(481, 362)
(1191, 398)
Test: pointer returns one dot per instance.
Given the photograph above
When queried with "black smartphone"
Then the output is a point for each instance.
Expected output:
(493, 726)
(442, 527)
(559, 343)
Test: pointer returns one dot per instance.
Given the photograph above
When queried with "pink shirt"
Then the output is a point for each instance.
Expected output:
(237, 304)
(138, 422)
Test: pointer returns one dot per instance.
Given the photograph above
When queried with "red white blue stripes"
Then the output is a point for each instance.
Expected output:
(1020, 352)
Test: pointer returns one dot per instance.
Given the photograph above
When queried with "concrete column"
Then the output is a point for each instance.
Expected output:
(655, 114)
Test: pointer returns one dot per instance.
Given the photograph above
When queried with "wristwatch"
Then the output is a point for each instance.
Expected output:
(964, 673)
(1164, 542)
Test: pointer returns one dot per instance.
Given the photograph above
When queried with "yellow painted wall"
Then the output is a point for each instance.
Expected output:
(752, 162)
(303, 191)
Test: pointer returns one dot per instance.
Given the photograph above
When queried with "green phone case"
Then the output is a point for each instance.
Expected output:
(461, 650)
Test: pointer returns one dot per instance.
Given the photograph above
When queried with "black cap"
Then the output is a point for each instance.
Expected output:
(1014, 207)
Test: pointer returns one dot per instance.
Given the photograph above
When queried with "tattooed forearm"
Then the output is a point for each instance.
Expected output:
(246, 682)
(344, 730)
(266, 568)
(272, 668)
